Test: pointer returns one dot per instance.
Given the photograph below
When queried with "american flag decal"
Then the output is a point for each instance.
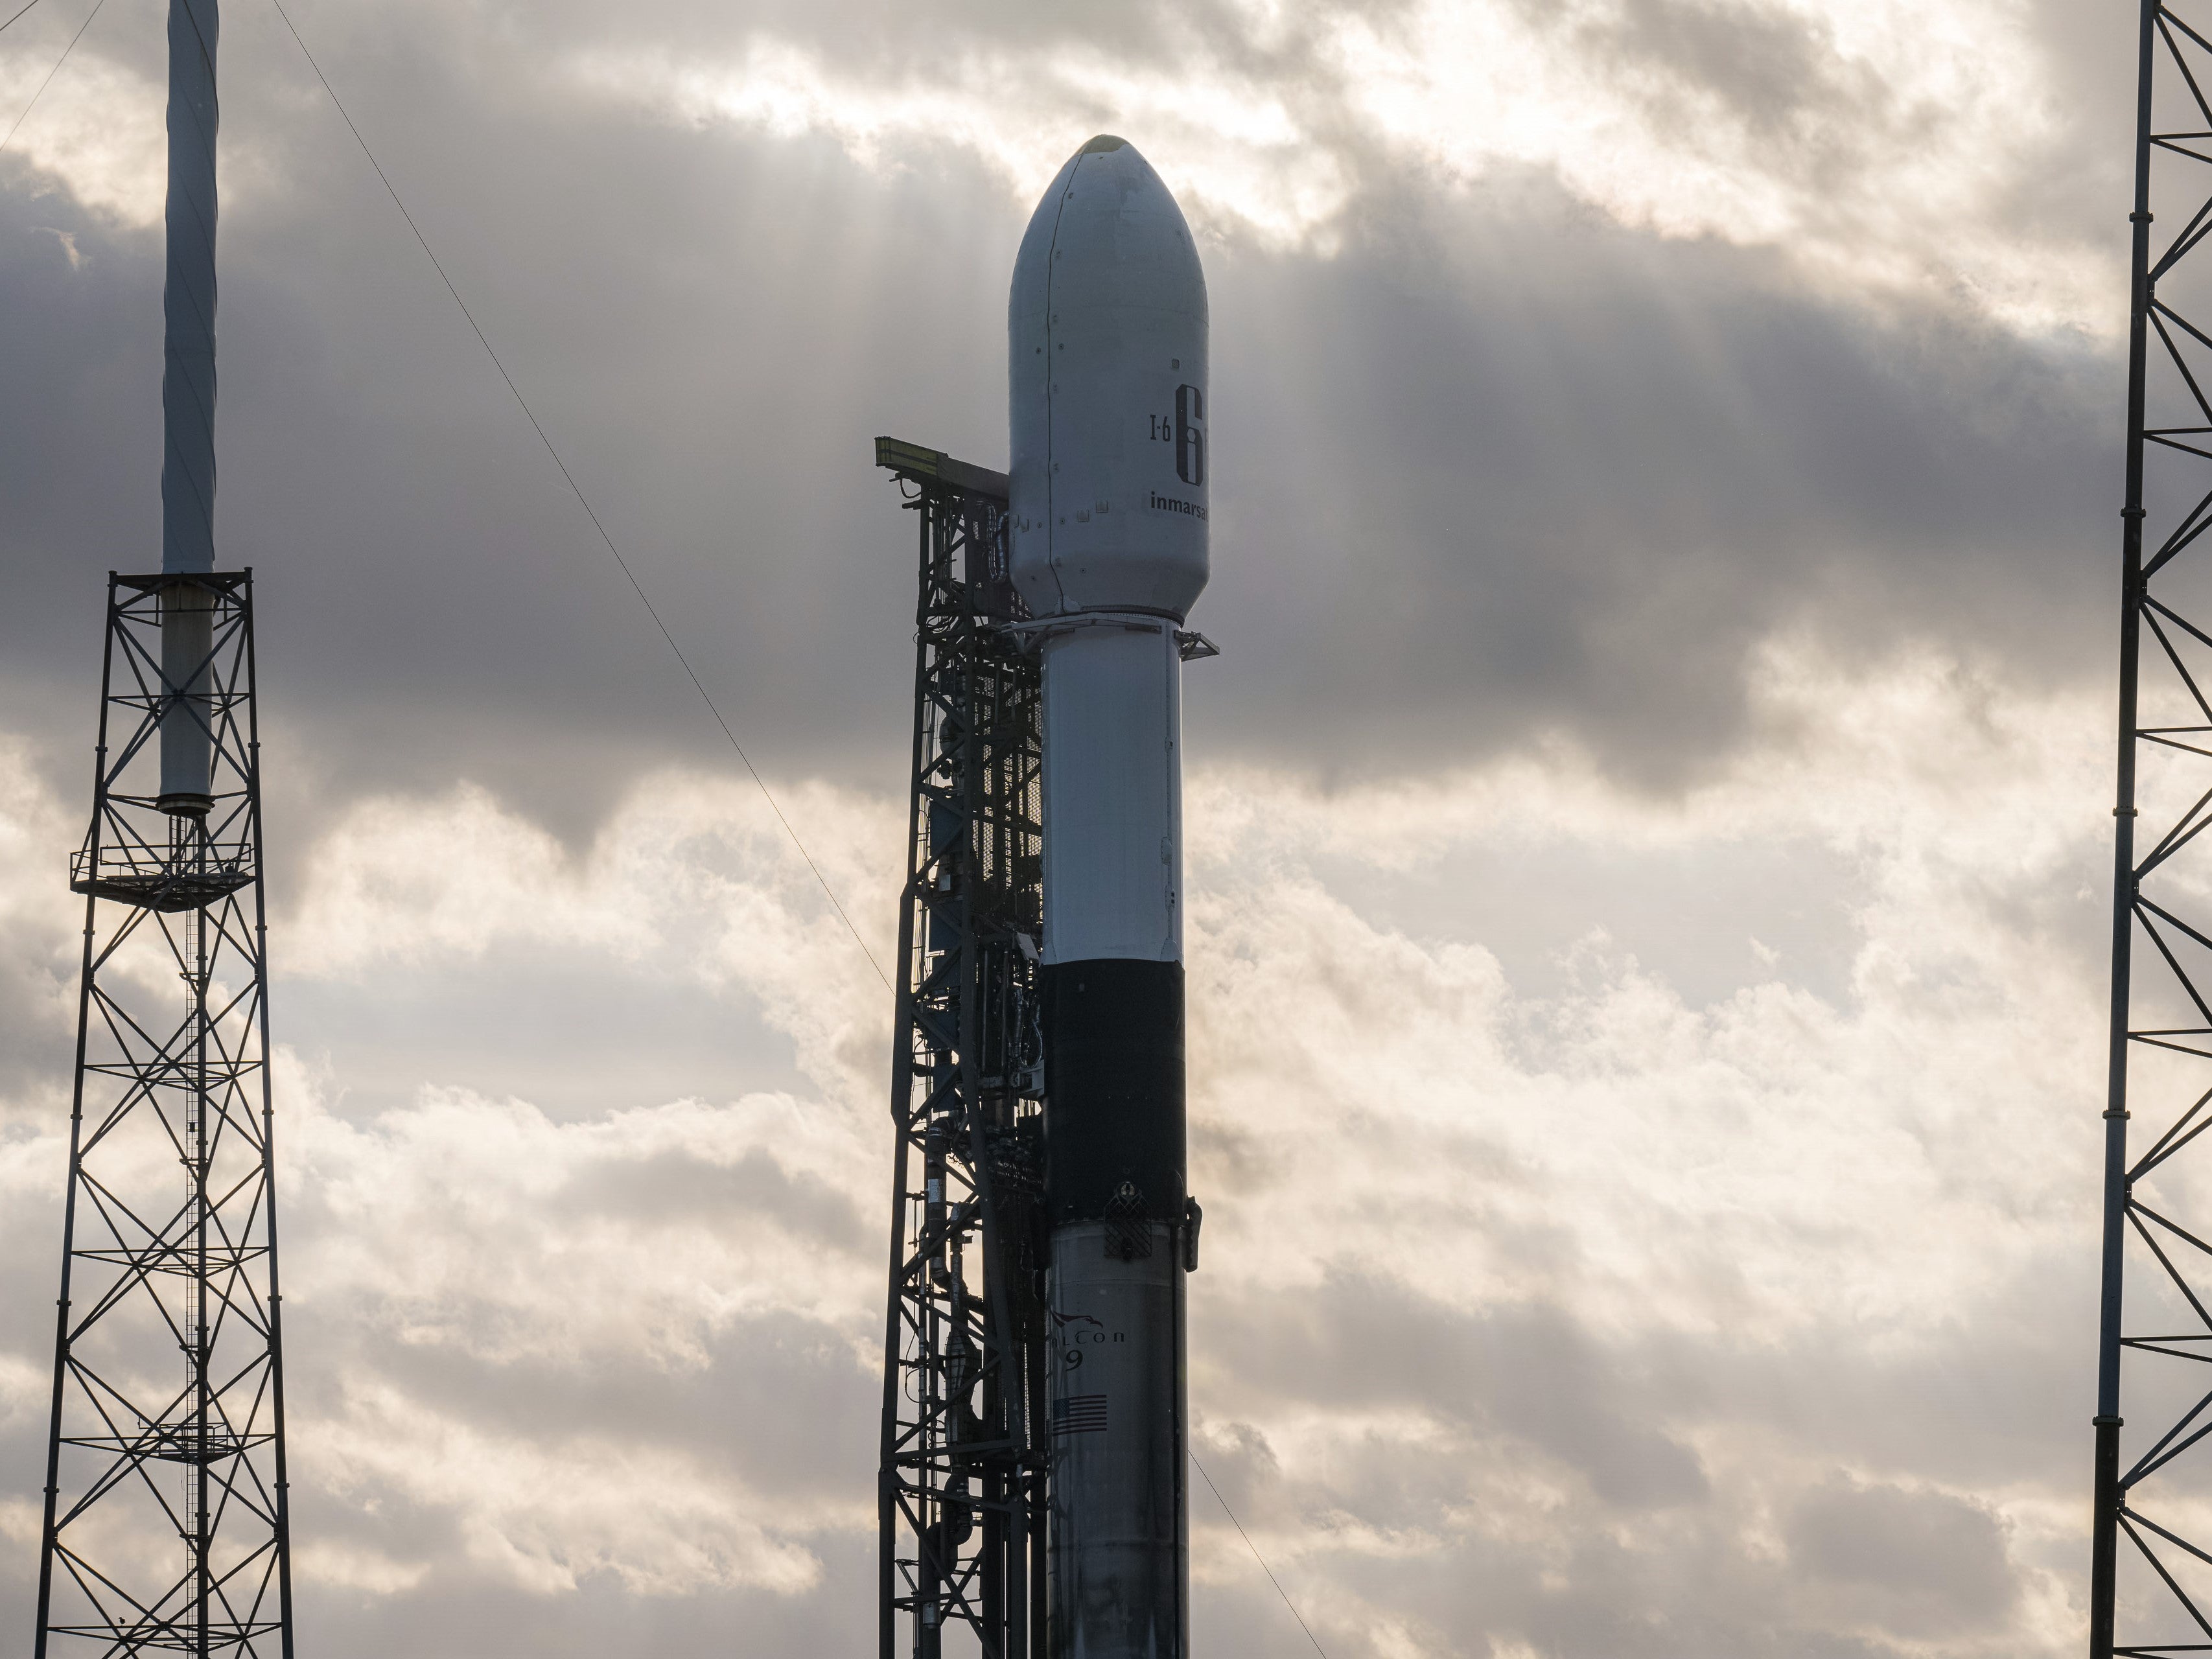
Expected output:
(1081, 1413)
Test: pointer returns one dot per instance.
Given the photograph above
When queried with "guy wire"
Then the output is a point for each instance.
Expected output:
(576, 489)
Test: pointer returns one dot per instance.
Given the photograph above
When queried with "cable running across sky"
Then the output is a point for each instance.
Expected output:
(56, 70)
(576, 489)
(24, 12)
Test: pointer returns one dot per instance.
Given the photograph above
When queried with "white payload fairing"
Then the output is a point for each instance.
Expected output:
(1106, 342)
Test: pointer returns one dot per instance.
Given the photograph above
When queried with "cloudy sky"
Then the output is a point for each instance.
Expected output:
(1648, 824)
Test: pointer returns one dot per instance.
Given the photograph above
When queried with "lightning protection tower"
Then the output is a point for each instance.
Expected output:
(166, 1526)
(2151, 1573)
(962, 1481)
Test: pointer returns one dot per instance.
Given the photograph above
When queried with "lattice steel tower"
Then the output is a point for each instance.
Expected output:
(166, 1524)
(2151, 1592)
(962, 1481)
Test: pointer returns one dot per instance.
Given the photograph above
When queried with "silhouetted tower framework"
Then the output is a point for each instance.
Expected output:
(2151, 1577)
(962, 1487)
(165, 1528)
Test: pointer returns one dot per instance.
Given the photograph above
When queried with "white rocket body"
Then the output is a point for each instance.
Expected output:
(1107, 346)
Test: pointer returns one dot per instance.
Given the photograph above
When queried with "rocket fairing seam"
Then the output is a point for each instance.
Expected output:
(1038, 630)
(1051, 386)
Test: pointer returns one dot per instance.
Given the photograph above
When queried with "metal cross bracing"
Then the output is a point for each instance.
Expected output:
(962, 1481)
(165, 1528)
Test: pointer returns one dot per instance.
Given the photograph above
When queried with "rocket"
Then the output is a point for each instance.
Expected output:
(1107, 382)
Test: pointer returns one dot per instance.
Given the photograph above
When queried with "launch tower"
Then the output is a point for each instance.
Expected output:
(962, 1474)
(165, 1522)
(2150, 1591)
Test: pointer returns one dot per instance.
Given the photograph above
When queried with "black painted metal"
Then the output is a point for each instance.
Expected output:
(1113, 1031)
(962, 1480)
(167, 1527)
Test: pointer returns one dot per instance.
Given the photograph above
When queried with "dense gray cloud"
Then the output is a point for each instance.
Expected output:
(1480, 468)
(1536, 479)
(1941, 1559)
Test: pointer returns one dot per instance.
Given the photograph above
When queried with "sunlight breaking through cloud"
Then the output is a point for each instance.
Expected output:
(1879, 145)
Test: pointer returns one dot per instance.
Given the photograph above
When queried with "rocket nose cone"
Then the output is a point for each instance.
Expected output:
(1106, 348)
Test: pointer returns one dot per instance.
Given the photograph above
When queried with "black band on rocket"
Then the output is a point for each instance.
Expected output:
(1113, 1077)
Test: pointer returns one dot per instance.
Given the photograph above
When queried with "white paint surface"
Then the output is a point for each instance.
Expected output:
(1106, 340)
(1113, 792)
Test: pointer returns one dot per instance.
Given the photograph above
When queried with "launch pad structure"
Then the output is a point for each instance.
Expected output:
(2150, 1591)
(167, 1526)
(962, 1482)
(172, 1076)
(1035, 1383)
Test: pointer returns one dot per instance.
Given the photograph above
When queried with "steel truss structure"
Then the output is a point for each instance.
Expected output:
(166, 1523)
(962, 1482)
